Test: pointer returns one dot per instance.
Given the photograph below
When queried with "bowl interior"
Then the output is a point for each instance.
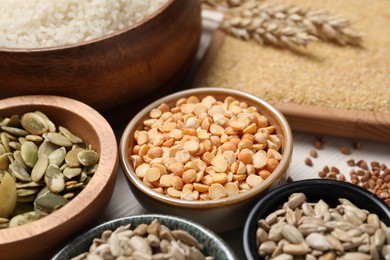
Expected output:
(213, 245)
(314, 189)
(58, 226)
(274, 117)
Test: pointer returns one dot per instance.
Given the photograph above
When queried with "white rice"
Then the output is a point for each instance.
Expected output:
(48, 23)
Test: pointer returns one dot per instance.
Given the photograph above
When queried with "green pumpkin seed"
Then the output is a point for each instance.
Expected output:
(34, 123)
(71, 172)
(50, 124)
(19, 172)
(4, 220)
(43, 191)
(13, 121)
(27, 192)
(57, 157)
(91, 169)
(59, 139)
(22, 219)
(8, 196)
(83, 176)
(69, 195)
(49, 202)
(22, 185)
(68, 134)
(11, 137)
(14, 131)
(2, 149)
(4, 161)
(54, 179)
(88, 157)
(5, 140)
(21, 140)
(33, 138)
(22, 208)
(18, 157)
(74, 186)
(71, 157)
(29, 152)
(46, 148)
(40, 168)
(15, 145)
(26, 199)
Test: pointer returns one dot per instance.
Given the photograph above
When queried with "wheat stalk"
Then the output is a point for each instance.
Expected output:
(285, 26)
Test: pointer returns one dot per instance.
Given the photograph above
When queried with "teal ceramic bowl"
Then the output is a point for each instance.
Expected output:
(213, 244)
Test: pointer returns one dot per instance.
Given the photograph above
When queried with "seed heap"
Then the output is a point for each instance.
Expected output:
(146, 241)
(305, 230)
(205, 149)
(373, 176)
(41, 169)
(285, 26)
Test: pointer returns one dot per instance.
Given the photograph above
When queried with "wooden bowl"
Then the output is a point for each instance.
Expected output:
(42, 238)
(219, 214)
(114, 70)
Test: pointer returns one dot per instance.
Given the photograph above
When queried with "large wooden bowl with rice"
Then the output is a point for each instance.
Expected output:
(112, 70)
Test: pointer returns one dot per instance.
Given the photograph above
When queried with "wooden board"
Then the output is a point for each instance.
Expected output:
(362, 125)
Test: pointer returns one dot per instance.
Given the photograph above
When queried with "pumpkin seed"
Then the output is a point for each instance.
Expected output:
(34, 138)
(49, 202)
(46, 148)
(4, 161)
(18, 157)
(14, 131)
(71, 172)
(22, 185)
(71, 157)
(8, 196)
(2, 149)
(13, 121)
(40, 168)
(14, 145)
(88, 157)
(27, 192)
(59, 139)
(19, 171)
(54, 179)
(50, 124)
(34, 123)
(22, 219)
(91, 169)
(68, 134)
(5, 140)
(25, 199)
(57, 157)
(29, 152)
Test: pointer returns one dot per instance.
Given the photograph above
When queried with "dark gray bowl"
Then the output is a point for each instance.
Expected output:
(315, 189)
(213, 244)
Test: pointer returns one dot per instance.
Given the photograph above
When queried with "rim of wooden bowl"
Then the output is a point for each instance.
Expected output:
(278, 120)
(98, 39)
(107, 168)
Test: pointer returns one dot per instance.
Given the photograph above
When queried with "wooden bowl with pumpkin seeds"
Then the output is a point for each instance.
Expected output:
(58, 166)
(206, 154)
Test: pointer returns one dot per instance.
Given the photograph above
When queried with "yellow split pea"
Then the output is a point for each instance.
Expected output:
(205, 149)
